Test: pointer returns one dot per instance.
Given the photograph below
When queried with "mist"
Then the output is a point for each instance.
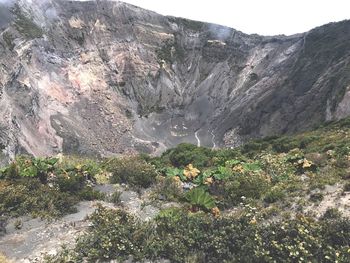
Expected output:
(220, 32)
(7, 2)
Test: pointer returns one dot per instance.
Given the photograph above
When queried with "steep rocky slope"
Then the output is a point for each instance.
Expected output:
(99, 78)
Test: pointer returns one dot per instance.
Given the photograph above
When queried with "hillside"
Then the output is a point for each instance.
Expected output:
(102, 78)
(283, 199)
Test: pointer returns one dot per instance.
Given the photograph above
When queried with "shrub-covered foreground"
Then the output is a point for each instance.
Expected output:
(249, 204)
(184, 237)
(45, 187)
(238, 205)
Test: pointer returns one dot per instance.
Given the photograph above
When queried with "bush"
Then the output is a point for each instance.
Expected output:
(77, 165)
(25, 24)
(168, 188)
(220, 156)
(346, 187)
(25, 166)
(316, 197)
(131, 170)
(200, 199)
(31, 197)
(115, 197)
(254, 147)
(186, 153)
(285, 144)
(113, 235)
(70, 183)
(331, 213)
(179, 237)
(250, 184)
(45, 187)
(274, 195)
(88, 193)
(337, 233)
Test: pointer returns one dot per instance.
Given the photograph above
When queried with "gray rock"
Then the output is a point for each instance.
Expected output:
(37, 237)
(112, 78)
(3, 224)
(148, 213)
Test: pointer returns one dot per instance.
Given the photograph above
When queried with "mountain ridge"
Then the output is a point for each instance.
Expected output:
(103, 78)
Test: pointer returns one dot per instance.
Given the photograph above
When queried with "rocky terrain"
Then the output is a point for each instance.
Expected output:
(36, 238)
(276, 199)
(105, 77)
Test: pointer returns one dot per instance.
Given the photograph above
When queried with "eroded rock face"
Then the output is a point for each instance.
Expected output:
(101, 78)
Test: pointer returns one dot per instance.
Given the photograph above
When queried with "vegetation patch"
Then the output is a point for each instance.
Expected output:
(25, 24)
(131, 170)
(44, 187)
(170, 51)
(185, 237)
(9, 40)
(235, 205)
(188, 24)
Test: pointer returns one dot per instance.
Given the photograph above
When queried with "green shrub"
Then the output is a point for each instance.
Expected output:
(178, 237)
(277, 167)
(113, 235)
(316, 197)
(185, 154)
(9, 40)
(296, 241)
(200, 199)
(220, 156)
(77, 165)
(44, 187)
(274, 195)
(337, 233)
(346, 187)
(88, 193)
(191, 24)
(25, 166)
(25, 24)
(254, 147)
(169, 189)
(305, 141)
(331, 213)
(72, 183)
(18, 224)
(29, 196)
(165, 52)
(115, 197)
(131, 170)
(285, 144)
(250, 185)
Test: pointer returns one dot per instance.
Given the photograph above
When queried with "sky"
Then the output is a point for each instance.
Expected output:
(264, 17)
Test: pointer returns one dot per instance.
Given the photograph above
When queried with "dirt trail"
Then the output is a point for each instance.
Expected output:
(38, 237)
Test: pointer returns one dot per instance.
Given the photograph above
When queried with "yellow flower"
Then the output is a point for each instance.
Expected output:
(177, 179)
(253, 221)
(208, 181)
(191, 172)
(307, 163)
(215, 211)
(238, 168)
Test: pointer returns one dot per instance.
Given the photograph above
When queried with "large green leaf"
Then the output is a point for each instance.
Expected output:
(171, 172)
(232, 162)
(251, 167)
(221, 173)
(200, 198)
